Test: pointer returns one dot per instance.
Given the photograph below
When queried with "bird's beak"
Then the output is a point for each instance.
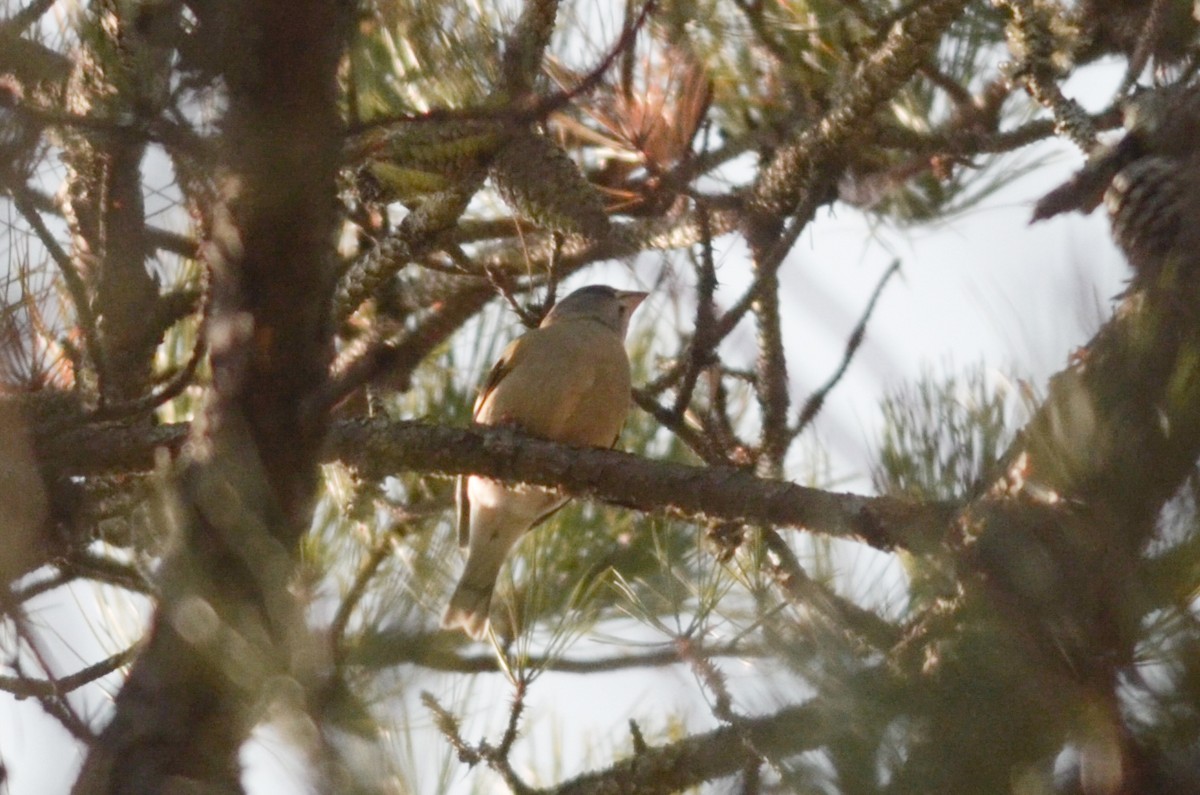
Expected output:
(630, 299)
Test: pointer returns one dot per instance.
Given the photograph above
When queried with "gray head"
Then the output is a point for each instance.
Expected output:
(600, 302)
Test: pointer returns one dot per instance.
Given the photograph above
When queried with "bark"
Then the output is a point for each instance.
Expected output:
(701, 492)
(225, 624)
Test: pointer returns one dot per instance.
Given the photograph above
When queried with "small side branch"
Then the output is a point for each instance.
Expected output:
(816, 401)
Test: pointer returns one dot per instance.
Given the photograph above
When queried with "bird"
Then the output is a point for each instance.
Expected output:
(568, 380)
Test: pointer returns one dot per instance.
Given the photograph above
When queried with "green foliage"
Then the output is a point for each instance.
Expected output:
(942, 437)
(410, 56)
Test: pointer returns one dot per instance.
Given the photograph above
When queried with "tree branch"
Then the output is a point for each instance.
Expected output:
(707, 493)
(706, 757)
(24, 687)
(784, 181)
(387, 648)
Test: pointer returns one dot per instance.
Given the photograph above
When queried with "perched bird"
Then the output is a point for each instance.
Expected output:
(567, 381)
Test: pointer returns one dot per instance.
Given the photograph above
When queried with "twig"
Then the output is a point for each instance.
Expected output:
(399, 357)
(159, 238)
(167, 134)
(697, 442)
(1037, 75)
(712, 677)
(91, 566)
(18, 22)
(71, 276)
(718, 423)
(503, 283)
(702, 665)
(957, 142)
(124, 409)
(514, 720)
(447, 724)
(799, 589)
(1152, 29)
(796, 170)
(385, 649)
(52, 700)
(517, 117)
(24, 687)
(549, 104)
(700, 758)
(704, 338)
(341, 618)
(497, 757)
(816, 401)
(771, 384)
(39, 587)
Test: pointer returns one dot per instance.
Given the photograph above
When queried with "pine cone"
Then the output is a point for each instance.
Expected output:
(1152, 206)
(1154, 199)
(539, 180)
(1150, 183)
(1165, 121)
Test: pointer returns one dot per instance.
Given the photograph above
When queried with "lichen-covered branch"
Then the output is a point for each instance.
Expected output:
(717, 493)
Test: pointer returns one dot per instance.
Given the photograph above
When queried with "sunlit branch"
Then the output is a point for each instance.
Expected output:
(1040, 77)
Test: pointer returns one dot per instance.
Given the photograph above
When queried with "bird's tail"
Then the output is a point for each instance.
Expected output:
(469, 608)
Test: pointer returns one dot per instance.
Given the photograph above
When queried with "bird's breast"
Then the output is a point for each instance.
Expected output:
(570, 385)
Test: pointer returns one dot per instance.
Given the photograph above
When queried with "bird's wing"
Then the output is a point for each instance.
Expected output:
(501, 368)
(600, 397)
(569, 398)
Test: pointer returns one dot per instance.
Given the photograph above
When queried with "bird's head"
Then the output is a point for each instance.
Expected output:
(598, 302)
